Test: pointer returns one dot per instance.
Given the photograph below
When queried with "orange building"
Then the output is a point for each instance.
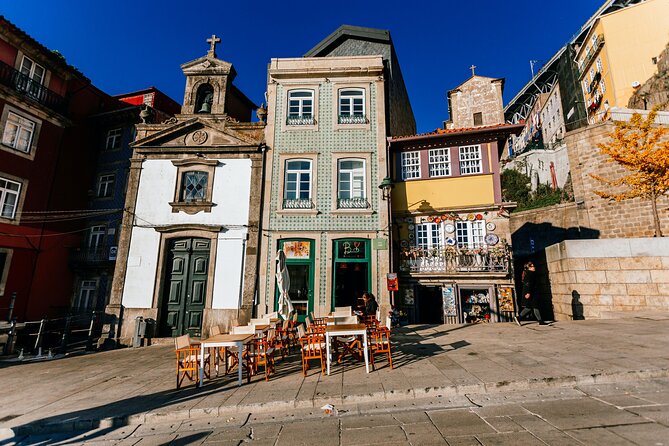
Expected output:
(450, 227)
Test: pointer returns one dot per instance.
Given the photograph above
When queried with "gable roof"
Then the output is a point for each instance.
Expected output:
(492, 79)
(348, 31)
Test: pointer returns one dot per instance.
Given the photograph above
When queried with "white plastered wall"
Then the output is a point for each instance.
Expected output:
(231, 191)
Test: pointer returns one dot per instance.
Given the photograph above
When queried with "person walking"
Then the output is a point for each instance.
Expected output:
(530, 298)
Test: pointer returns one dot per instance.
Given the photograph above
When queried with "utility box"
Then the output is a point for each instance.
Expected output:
(140, 329)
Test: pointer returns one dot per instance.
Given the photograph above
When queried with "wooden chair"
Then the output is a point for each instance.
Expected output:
(188, 360)
(370, 321)
(281, 340)
(312, 347)
(262, 354)
(342, 311)
(379, 343)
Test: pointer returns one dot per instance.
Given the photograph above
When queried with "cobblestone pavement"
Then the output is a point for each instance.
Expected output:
(607, 415)
(451, 365)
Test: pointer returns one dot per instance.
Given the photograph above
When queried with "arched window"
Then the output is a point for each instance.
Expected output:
(300, 107)
(352, 106)
(351, 184)
(204, 98)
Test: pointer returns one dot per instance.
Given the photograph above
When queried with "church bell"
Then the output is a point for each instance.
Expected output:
(206, 107)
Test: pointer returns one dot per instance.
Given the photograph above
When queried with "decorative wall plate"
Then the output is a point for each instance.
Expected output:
(437, 220)
(411, 226)
(490, 226)
(411, 235)
(404, 243)
(449, 228)
(471, 217)
(409, 219)
(479, 217)
(450, 241)
(491, 239)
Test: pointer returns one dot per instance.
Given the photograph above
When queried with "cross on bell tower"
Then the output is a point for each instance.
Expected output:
(212, 41)
(473, 67)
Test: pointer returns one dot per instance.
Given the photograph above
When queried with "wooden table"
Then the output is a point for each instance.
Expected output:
(225, 340)
(346, 330)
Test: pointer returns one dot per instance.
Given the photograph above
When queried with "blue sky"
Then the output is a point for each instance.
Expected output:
(127, 45)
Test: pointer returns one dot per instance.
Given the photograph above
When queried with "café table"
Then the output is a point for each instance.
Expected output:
(225, 340)
(346, 330)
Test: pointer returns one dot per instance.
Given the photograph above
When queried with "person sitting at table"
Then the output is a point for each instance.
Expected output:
(370, 304)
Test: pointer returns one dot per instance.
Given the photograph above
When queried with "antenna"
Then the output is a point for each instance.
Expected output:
(532, 62)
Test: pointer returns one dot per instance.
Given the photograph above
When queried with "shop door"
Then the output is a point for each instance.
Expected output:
(351, 273)
(300, 264)
(429, 305)
(185, 287)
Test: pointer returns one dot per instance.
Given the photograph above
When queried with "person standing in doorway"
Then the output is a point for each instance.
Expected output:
(530, 298)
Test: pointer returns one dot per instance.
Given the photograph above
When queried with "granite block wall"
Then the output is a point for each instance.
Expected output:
(593, 279)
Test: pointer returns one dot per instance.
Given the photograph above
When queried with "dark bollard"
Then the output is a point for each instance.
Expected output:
(63, 340)
(12, 301)
(38, 341)
(89, 338)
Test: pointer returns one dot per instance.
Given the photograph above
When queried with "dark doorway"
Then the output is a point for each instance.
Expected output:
(429, 305)
(350, 283)
(185, 287)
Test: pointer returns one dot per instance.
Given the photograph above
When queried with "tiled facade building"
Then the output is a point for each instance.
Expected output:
(329, 114)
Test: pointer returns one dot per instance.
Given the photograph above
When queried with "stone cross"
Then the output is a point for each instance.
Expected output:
(473, 67)
(212, 41)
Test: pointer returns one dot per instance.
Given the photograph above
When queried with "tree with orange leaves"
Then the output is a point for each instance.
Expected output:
(637, 146)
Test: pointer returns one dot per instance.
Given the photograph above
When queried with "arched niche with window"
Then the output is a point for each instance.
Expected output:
(204, 98)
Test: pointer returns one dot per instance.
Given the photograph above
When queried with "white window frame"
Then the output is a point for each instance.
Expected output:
(96, 237)
(410, 165)
(87, 288)
(106, 185)
(602, 86)
(600, 66)
(113, 140)
(346, 98)
(355, 175)
(429, 235)
(470, 234)
(298, 181)
(299, 102)
(439, 162)
(21, 126)
(8, 211)
(31, 70)
(471, 159)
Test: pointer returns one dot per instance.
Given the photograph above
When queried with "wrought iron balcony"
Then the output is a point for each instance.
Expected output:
(352, 119)
(300, 120)
(452, 260)
(352, 203)
(94, 255)
(23, 84)
(297, 203)
(590, 54)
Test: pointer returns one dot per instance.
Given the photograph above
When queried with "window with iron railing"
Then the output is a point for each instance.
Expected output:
(351, 184)
(300, 107)
(352, 106)
(297, 185)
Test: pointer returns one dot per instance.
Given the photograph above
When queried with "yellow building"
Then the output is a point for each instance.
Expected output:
(619, 54)
(450, 229)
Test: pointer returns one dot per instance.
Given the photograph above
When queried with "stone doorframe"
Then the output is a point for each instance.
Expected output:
(171, 232)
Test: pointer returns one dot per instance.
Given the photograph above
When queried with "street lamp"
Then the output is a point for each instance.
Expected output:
(386, 186)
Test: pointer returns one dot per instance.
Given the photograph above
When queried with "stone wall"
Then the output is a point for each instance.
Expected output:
(590, 279)
(628, 218)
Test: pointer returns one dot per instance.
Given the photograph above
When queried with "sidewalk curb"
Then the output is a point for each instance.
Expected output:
(569, 381)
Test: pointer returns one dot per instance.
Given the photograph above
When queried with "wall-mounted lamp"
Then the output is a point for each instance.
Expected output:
(386, 186)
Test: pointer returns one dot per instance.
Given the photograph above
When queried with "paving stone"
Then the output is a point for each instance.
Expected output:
(510, 439)
(500, 410)
(423, 433)
(503, 424)
(651, 434)
(459, 422)
(580, 413)
(373, 435)
(659, 414)
(466, 440)
(368, 421)
(325, 432)
(598, 436)
(412, 417)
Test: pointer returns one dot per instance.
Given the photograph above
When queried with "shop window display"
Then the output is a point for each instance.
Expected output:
(475, 306)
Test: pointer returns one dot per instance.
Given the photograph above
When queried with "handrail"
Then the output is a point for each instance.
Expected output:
(21, 83)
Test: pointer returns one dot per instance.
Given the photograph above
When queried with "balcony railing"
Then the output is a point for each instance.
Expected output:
(300, 120)
(93, 255)
(297, 203)
(23, 84)
(496, 260)
(352, 119)
(590, 53)
(352, 203)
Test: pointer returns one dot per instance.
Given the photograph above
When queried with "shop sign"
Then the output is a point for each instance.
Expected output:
(113, 250)
(391, 278)
(380, 244)
(351, 249)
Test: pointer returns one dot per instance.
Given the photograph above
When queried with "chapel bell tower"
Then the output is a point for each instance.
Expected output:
(208, 80)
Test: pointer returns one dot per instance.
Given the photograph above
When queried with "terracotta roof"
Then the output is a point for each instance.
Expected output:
(440, 132)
